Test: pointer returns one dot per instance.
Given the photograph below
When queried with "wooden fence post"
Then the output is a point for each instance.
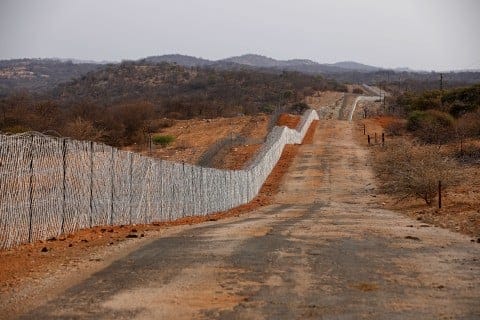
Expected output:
(368, 138)
(383, 139)
(364, 129)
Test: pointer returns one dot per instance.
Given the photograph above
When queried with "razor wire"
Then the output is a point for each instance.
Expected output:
(51, 186)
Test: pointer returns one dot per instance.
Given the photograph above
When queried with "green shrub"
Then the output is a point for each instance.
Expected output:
(432, 126)
(462, 100)
(163, 140)
(415, 119)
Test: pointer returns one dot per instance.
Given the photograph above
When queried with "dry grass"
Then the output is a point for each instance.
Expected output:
(460, 211)
(411, 170)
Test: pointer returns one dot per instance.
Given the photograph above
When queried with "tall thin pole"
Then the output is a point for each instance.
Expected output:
(30, 226)
(111, 188)
(64, 154)
(91, 184)
(130, 174)
(440, 194)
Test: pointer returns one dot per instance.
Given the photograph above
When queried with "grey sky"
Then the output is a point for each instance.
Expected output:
(421, 34)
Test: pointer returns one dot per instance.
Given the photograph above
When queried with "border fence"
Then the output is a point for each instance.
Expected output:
(50, 186)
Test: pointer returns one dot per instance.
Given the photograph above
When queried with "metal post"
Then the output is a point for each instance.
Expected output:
(91, 184)
(31, 192)
(64, 154)
(111, 188)
(130, 174)
(368, 138)
(184, 212)
(440, 194)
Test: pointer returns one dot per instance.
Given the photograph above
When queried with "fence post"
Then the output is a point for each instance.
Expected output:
(368, 138)
(383, 139)
(439, 194)
(130, 174)
(192, 190)
(201, 188)
(91, 185)
(31, 192)
(375, 138)
(64, 155)
(184, 212)
(364, 129)
(111, 187)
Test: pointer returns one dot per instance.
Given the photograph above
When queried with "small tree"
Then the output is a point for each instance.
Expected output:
(411, 170)
(82, 129)
(432, 126)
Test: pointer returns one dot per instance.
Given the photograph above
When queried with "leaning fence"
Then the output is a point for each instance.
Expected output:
(50, 186)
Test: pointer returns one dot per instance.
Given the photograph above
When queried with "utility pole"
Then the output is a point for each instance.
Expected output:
(441, 89)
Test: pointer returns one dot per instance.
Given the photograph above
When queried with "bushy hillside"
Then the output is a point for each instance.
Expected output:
(440, 117)
(122, 104)
(456, 101)
(182, 92)
(38, 74)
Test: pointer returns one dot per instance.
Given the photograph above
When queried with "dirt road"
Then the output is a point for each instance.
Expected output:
(325, 250)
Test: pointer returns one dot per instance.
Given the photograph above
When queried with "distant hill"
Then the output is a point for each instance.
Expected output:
(189, 91)
(351, 65)
(39, 74)
(259, 61)
(182, 60)
(256, 61)
(300, 65)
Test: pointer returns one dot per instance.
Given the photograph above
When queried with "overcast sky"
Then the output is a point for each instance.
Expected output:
(421, 34)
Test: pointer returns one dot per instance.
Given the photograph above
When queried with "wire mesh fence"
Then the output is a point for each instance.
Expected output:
(50, 186)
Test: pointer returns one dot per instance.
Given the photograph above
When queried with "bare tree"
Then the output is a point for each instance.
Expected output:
(411, 170)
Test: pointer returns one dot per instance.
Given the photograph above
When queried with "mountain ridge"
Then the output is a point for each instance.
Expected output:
(260, 61)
